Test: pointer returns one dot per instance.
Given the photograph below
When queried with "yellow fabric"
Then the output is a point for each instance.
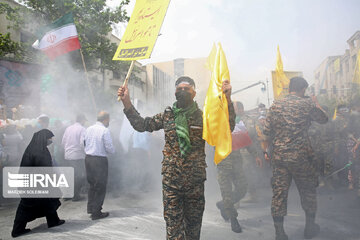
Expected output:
(216, 128)
(356, 78)
(337, 65)
(211, 58)
(142, 31)
(261, 138)
(334, 117)
(280, 82)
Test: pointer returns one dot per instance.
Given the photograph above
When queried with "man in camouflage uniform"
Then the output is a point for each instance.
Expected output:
(339, 131)
(231, 173)
(322, 141)
(183, 165)
(250, 157)
(354, 146)
(287, 125)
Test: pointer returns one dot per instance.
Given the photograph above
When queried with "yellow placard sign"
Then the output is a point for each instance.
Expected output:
(142, 31)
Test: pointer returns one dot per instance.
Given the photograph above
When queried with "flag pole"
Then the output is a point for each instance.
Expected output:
(87, 79)
(127, 76)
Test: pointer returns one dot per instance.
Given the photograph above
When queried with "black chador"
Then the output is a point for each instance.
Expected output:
(37, 155)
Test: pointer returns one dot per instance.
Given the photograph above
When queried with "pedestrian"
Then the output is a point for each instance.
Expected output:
(98, 144)
(37, 155)
(12, 144)
(73, 144)
(183, 166)
(250, 155)
(231, 173)
(287, 124)
(42, 122)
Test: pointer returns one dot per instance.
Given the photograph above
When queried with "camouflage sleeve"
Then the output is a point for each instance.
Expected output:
(140, 124)
(318, 115)
(268, 124)
(231, 116)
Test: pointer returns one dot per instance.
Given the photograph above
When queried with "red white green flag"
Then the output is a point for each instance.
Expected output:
(58, 38)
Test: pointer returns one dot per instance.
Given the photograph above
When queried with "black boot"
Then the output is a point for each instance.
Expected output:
(53, 220)
(235, 226)
(311, 228)
(220, 206)
(279, 229)
(19, 229)
(99, 215)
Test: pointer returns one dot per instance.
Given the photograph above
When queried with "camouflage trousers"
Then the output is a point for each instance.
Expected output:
(232, 182)
(183, 211)
(304, 174)
(355, 170)
(325, 159)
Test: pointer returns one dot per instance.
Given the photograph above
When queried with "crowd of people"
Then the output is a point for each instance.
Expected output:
(294, 136)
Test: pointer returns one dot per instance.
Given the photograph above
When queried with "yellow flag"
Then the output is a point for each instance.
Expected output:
(334, 117)
(280, 82)
(356, 78)
(216, 128)
(142, 31)
(211, 58)
(337, 65)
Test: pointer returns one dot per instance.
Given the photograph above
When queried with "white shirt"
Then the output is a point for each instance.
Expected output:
(98, 140)
(73, 142)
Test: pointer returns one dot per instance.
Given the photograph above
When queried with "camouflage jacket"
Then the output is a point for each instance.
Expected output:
(178, 170)
(286, 127)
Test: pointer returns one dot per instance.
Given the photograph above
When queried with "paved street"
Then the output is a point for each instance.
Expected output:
(139, 216)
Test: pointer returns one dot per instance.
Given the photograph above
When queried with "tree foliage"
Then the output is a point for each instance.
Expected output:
(13, 14)
(7, 46)
(93, 20)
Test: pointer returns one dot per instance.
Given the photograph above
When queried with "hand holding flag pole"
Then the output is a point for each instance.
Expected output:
(146, 19)
(127, 76)
(216, 126)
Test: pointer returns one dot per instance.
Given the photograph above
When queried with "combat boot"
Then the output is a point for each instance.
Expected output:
(235, 226)
(311, 228)
(279, 229)
(220, 206)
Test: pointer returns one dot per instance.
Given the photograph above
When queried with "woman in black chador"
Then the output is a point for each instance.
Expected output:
(37, 155)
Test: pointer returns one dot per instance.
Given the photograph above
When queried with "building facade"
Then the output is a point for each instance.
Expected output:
(161, 79)
(334, 76)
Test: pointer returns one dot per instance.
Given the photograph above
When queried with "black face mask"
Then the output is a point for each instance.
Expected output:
(183, 99)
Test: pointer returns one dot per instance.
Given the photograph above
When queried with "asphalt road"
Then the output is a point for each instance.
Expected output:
(139, 216)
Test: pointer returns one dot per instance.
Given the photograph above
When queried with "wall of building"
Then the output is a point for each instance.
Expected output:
(334, 75)
(168, 72)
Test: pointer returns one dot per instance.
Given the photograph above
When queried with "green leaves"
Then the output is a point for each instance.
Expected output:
(93, 20)
(8, 46)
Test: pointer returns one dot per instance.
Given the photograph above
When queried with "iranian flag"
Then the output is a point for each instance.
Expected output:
(58, 38)
(240, 137)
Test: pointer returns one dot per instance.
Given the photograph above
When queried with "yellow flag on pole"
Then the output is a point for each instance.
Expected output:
(142, 31)
(280, 82)
(216, 128)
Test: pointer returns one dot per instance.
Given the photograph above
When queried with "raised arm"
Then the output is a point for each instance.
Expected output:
(139, 123)
(226, 87)
(317, 114)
